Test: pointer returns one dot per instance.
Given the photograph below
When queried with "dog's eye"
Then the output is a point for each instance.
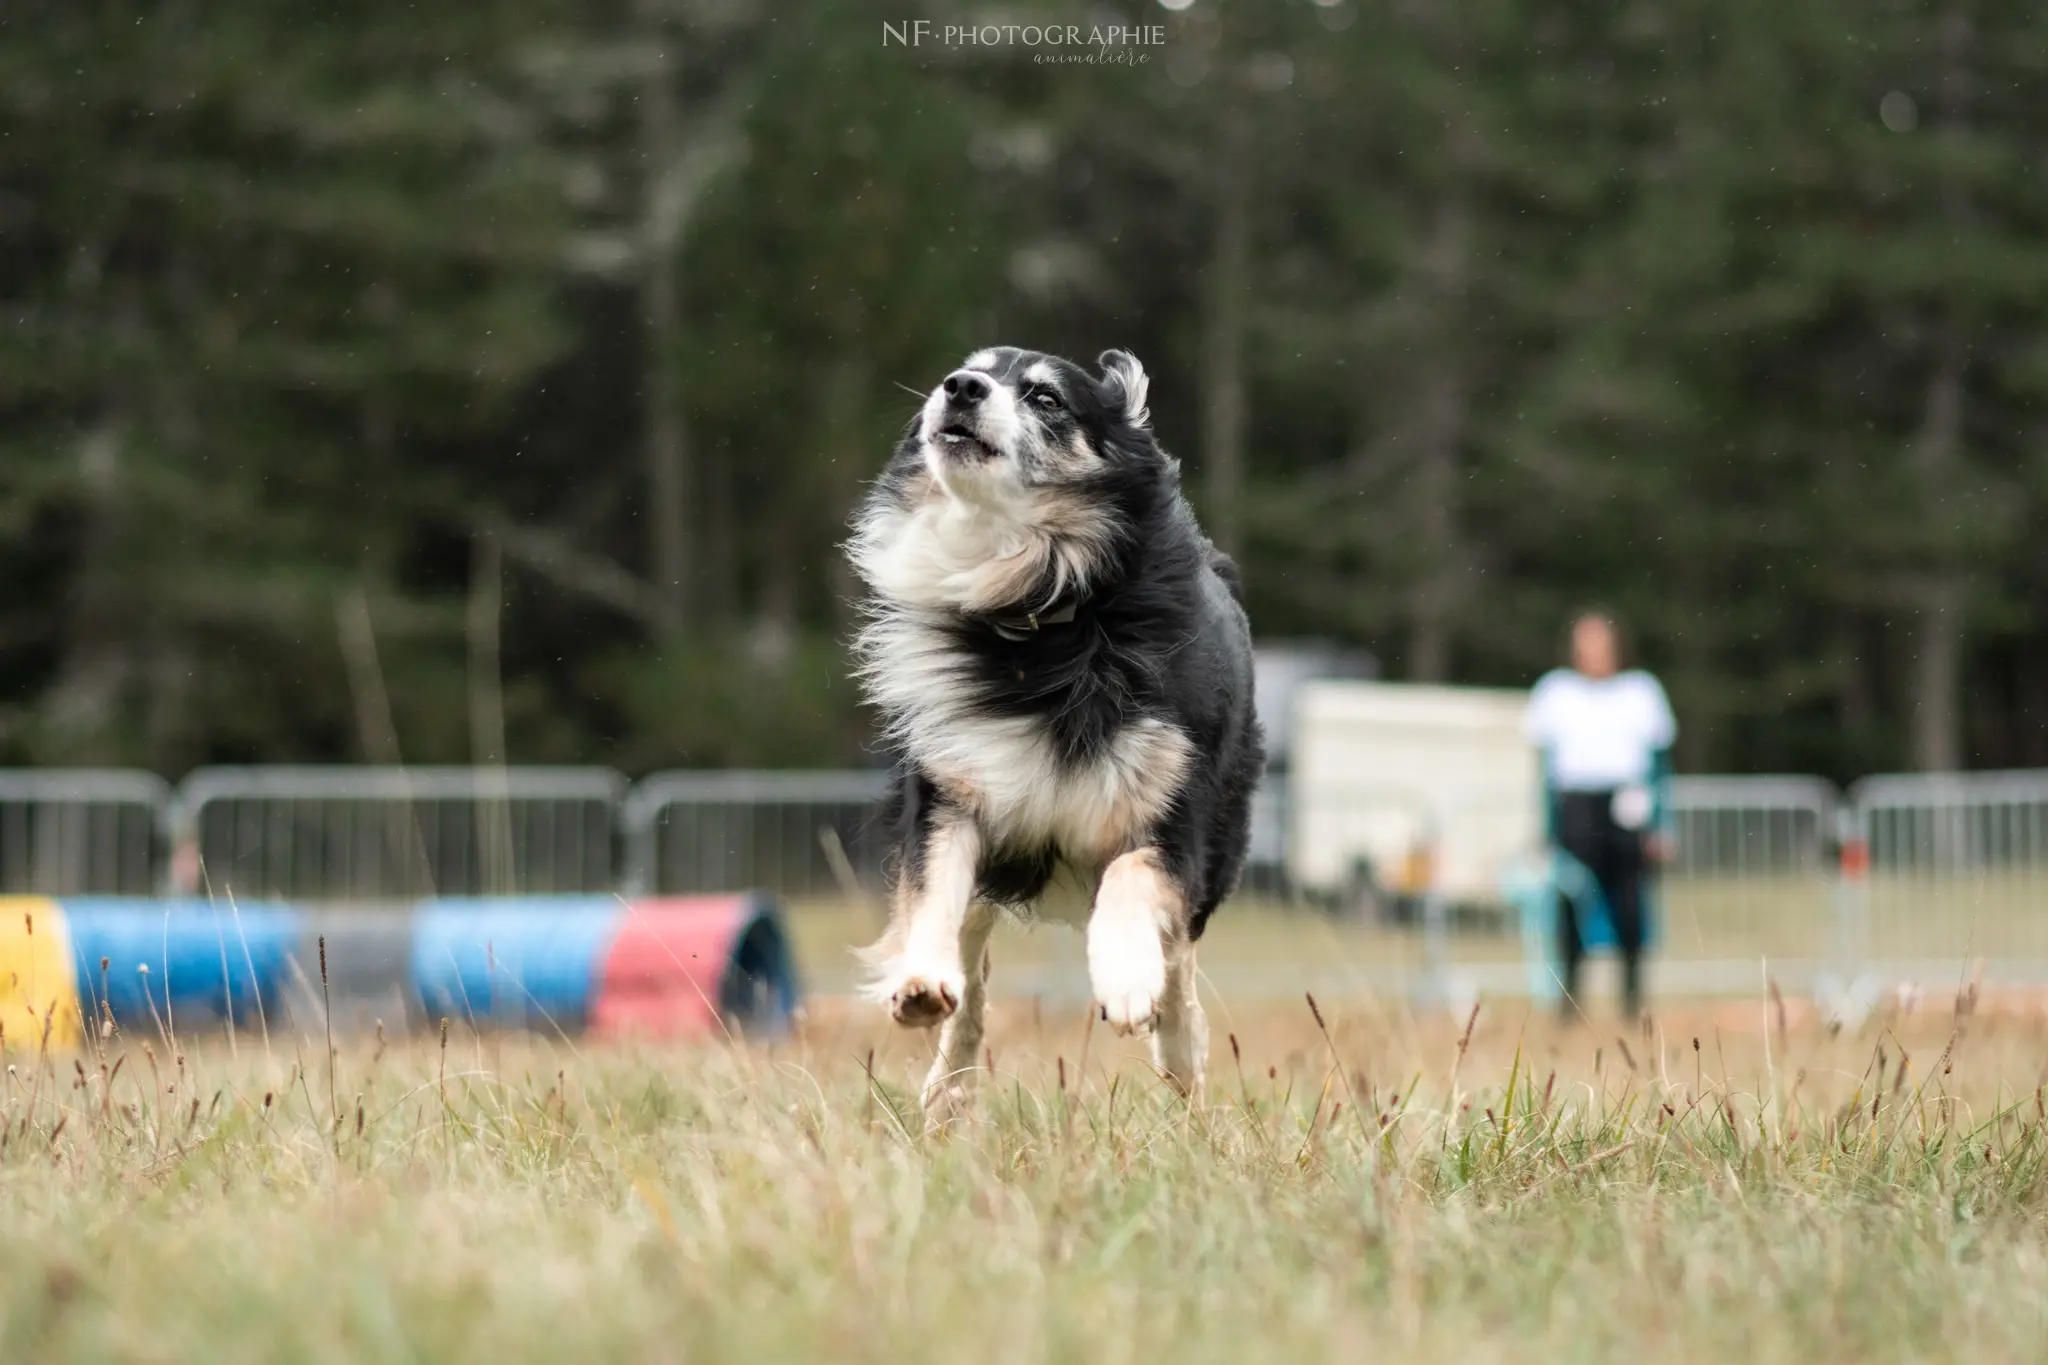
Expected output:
(1047, 399)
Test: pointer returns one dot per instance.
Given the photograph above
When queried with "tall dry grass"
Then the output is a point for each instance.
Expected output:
(1363, 1184)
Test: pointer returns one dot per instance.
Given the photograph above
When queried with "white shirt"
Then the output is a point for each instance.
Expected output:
(1599, 732)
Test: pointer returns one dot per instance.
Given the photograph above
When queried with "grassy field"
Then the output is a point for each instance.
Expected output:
(1385, 1187)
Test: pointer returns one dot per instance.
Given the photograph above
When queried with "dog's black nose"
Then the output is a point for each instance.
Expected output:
(965, 388)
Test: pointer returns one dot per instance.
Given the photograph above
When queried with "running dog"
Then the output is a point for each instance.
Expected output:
(1063, 669)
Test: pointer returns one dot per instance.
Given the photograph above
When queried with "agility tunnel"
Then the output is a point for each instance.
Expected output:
(660, 966)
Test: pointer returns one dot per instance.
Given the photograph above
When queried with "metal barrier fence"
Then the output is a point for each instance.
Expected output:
(80, 831)
(1957, 870)
(796, 833)
(1453, 894)
(1753, 826)
(1957, 864)
(397, 833)
(1753, 882)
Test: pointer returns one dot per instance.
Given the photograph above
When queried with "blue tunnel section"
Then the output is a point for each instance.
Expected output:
(532, 961)
(167, 963)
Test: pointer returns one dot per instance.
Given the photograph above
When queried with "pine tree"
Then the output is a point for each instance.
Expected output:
(268, 274)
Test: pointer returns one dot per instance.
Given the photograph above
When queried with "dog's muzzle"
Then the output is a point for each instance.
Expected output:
(958, 432)
(959, 441)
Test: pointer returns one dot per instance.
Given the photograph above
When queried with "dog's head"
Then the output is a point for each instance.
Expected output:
(1016, 484)
(1009, 421)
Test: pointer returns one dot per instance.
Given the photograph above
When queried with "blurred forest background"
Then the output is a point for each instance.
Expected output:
(353, 357)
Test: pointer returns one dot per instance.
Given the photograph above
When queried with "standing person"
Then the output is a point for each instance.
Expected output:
(1605, 737)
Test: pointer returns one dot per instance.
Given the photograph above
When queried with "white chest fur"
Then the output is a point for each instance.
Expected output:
(933, 550)
(1005, 769)
(949, 553)
(1023, 797)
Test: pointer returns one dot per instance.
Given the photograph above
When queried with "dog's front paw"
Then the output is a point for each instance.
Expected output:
(922, 1001)
(1128, 969)
(1132, 1013)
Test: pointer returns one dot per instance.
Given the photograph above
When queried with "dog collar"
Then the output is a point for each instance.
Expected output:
(1024, 625)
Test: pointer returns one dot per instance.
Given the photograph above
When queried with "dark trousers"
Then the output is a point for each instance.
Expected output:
(1586, 829)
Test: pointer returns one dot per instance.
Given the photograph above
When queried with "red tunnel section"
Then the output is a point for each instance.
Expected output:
(696, 964)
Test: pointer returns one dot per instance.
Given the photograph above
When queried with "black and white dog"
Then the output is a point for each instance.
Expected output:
(1064, 670)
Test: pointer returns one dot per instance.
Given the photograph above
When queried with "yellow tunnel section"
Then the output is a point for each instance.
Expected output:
(38, 976)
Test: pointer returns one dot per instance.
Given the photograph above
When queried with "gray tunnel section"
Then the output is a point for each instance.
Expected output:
(369, 971)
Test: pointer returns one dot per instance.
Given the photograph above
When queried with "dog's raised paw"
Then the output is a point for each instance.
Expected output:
(922, 1001)
(1126, 966)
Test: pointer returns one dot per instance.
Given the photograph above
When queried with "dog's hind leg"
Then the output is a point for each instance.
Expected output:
(917, 969)
(950, 1086)
(1180, 1034)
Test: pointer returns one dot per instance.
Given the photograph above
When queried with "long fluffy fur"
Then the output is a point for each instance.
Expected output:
(1129, 726)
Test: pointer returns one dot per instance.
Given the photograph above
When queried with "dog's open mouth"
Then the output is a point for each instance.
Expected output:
(960, 443)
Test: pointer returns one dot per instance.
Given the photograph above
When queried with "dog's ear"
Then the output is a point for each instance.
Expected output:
(1124, 384)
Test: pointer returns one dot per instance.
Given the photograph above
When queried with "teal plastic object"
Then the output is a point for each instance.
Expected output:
(1532, 887)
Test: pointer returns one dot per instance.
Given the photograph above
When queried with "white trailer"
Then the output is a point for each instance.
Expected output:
(1404, 782)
